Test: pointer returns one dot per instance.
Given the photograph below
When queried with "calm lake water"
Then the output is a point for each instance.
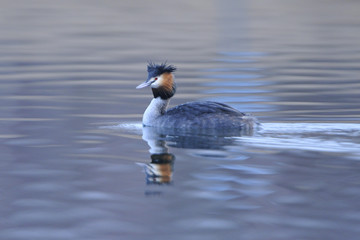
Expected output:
(76, 163)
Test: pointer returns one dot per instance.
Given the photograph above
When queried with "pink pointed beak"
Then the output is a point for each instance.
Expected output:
(144, 84)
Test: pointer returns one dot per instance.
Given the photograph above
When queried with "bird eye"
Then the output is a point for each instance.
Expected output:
(155, 79)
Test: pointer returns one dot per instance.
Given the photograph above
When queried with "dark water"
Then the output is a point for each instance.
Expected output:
(76, 164)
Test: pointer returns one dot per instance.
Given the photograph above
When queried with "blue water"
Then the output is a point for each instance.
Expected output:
(77, 164)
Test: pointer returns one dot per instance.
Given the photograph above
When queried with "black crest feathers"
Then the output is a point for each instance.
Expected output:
(155, 70)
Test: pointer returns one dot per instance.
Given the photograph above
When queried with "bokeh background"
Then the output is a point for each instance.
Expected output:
(68, 71)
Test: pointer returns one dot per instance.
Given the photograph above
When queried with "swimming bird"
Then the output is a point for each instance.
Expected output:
(191, 115)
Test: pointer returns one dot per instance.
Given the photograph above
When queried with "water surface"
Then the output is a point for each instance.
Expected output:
(77, 164)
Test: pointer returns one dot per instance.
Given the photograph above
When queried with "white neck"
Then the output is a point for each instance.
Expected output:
(156, 108)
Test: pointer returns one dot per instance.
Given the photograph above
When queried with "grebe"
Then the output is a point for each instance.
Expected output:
(191, 115)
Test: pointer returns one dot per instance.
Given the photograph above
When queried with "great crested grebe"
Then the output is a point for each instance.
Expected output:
(191, 115)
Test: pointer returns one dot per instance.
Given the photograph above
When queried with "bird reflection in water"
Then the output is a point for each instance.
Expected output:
(160, 169)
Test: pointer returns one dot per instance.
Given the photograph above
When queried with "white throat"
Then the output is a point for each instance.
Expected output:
(156, 108)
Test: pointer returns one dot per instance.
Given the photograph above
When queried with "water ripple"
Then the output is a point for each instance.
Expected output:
(254, 170)
(233, 76)
(323, 137)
